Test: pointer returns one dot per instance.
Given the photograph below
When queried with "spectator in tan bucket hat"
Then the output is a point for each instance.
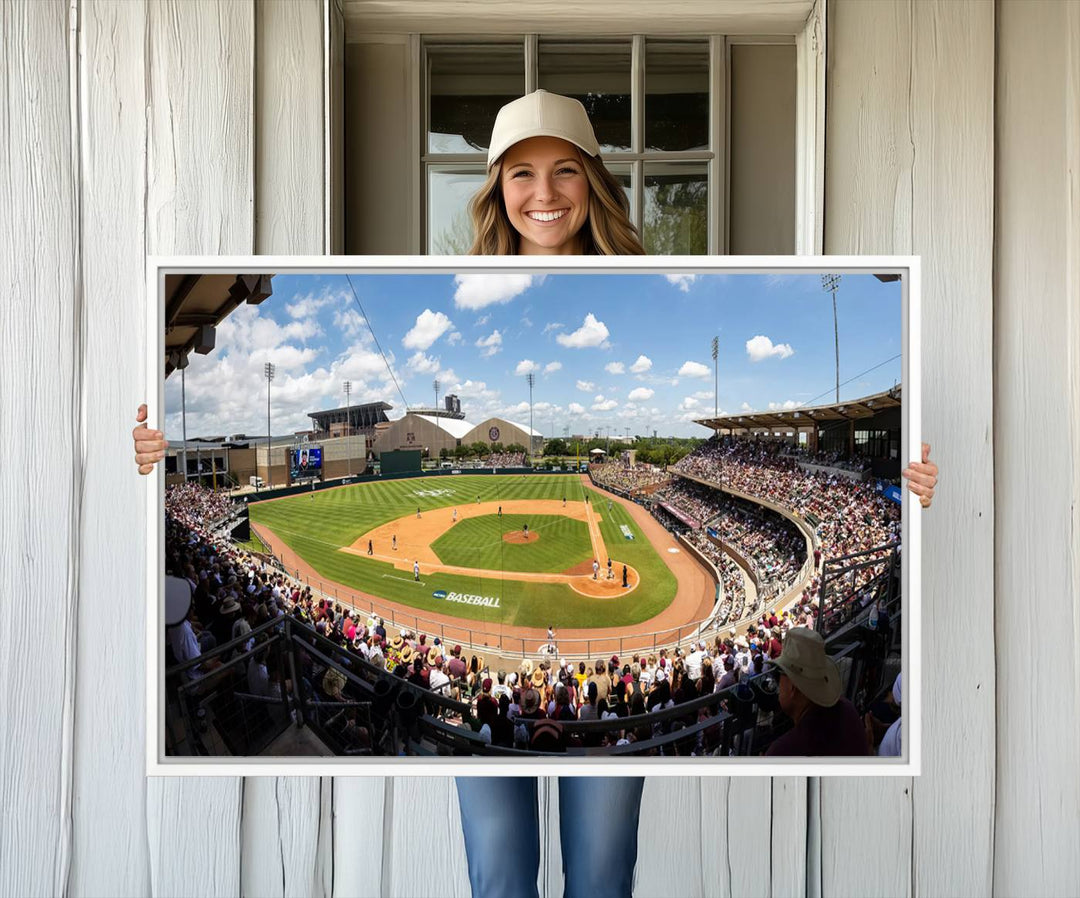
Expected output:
(811, 694)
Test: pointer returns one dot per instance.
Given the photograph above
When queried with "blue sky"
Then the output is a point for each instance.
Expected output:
(609, 351)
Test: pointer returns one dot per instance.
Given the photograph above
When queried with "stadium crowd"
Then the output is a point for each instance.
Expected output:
(733, 606)
(847, 516)
(620, 476)
(235, 592)
(505, 460)
(774, 547)
(856, 464)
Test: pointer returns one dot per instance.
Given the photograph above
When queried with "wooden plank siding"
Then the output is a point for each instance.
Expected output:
(40, 351)
(1036, 443)
(168, 127)
(199, 196)
(909, 169)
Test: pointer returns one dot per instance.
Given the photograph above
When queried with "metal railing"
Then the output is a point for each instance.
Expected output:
(376, 712)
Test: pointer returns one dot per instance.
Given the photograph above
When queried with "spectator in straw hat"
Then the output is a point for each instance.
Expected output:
(811, 694)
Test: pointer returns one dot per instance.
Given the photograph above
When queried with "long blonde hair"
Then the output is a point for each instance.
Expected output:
(608, 230)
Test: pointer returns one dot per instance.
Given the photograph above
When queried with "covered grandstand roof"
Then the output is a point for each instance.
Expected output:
(197, 301)
(851, 410)
(382, 406)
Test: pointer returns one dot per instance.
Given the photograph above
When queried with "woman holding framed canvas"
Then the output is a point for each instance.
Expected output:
(547, 193)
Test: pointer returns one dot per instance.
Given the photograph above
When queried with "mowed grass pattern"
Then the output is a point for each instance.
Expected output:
(556, 543)
(316, 525)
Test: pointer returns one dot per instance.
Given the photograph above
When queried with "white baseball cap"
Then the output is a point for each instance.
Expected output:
(541, 114)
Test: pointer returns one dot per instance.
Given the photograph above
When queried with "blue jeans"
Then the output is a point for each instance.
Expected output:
(598, 823)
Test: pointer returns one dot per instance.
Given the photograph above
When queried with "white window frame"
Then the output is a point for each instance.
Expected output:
(810, 47)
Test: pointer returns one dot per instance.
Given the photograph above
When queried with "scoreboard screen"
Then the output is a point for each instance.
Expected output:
(305, 462)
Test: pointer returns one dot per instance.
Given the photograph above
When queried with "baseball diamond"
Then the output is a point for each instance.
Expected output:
(546, 579)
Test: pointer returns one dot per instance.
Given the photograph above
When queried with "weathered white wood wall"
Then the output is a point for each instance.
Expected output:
(953, 132)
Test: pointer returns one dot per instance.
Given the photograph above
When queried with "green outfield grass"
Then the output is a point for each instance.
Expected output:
(558, 543)
(316, 525)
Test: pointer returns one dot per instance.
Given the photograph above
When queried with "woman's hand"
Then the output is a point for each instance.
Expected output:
(150, 445)
(922, 477)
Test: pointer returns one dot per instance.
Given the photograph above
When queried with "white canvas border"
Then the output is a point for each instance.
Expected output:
(910, 764)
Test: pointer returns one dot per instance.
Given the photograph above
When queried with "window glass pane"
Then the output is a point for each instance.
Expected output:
(449, 192)
(622, 174)
(467, 84)
(676, 209)
(597, 74)
(676, 95)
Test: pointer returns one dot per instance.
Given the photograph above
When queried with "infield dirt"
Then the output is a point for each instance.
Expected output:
(414, 534)
(693, 600)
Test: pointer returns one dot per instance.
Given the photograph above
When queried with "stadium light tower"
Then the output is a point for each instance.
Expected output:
(436, 385)
(181, 362)
(268, 370)
(716, 374)
(348, 424)
(830, 283)
(531, 378)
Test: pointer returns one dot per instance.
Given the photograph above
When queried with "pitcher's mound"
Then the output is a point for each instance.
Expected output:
(518, 538)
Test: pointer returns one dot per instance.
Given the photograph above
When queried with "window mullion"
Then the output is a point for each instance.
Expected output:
(717, 183)
(637, 129)
(532, 62)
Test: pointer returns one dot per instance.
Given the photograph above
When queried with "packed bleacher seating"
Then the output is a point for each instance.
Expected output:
(774, 547)
(857, 463)
(621, 477)
(847, 516)
(733, 607)
(505, 460)
(236, 593)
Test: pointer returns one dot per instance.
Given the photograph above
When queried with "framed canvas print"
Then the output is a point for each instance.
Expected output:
(584, 515)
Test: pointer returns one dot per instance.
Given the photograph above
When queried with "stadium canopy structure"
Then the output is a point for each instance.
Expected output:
(806, 417)
(361, 419)
(195, 304)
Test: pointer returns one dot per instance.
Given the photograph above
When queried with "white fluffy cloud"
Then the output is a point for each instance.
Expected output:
(591, 333)
(761, 347)
(688, 403)
(526, 366)
(643, 364)
(615, 368)
(784, 406)
(682, 281)
(308, 306)
(454, 338)
(219, 386)
(428, 328)
(604, 405)
(575, 409)
(552, 367)
(490, 344)
(694, 369)
(586, 386)
(349, 322)
(475, 291)
(419, 363)
(640, 394)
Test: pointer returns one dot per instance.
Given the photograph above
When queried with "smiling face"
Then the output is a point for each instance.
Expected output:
(546, 195)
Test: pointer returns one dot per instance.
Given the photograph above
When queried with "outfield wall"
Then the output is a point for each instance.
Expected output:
(266, 495)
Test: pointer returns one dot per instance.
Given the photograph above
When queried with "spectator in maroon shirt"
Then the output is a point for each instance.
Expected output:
(774, 646)
(457, 668)
(826, 723)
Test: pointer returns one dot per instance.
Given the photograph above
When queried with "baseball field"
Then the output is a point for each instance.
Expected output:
(458, 545)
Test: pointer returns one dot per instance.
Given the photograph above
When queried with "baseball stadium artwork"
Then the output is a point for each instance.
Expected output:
(409, 512)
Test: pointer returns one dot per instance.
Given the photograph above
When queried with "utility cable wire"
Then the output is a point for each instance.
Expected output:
(850, 379)
(367, 321)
